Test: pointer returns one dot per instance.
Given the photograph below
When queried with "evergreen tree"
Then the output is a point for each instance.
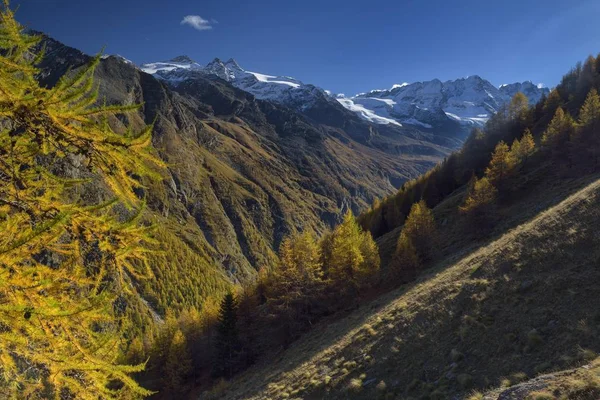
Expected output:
(228, 342)
(64, 262)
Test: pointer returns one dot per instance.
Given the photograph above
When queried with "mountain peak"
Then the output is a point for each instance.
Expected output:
(182, 59)
(232, 63)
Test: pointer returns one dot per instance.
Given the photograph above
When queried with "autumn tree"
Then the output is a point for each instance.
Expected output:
(479, 202)
(405, 262)
(228, 341)
(588, 138)
(296, 284)
(65, 263)
(177, 366)
(558, 133)
(351, 257)
(518, 108)
(416, 244)
(521, 150)
(500, 166)
(420, 228)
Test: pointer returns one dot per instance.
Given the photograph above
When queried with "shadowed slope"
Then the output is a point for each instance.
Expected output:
(522, 304)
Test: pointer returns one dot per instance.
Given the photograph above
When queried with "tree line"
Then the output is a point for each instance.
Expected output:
(313, 279)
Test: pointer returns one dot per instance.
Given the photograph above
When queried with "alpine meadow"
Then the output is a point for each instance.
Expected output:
(180, 229)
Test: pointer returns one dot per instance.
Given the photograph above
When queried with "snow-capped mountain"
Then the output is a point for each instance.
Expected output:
(448, 108)
(281, 89)
(532, 91)
(469, 101)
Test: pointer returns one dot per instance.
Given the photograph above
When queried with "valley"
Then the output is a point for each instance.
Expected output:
(184, 230)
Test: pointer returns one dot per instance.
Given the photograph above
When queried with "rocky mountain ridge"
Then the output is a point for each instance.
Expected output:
(447, 109)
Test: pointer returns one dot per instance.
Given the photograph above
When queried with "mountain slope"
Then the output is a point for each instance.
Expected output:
(524, 303)
(313, 102)
(448, 109)
(243, 173)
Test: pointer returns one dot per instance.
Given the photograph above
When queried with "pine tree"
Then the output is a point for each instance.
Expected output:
(64, 262)
(228, 342)
(500, 166)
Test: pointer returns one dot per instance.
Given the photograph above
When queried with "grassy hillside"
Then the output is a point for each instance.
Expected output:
(520, 305)
(575, 384)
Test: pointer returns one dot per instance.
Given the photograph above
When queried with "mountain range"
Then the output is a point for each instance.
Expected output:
(450, 108)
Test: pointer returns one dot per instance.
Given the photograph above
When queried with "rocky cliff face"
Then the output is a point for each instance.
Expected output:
(243, 172)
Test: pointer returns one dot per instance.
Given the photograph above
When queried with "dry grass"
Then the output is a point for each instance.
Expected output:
(507, 307)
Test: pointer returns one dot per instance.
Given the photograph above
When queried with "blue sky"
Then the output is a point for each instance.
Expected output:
(346, 46)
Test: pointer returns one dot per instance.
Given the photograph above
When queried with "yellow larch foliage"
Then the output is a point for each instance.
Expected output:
(64, 261)
(500, 165)
(352, 255)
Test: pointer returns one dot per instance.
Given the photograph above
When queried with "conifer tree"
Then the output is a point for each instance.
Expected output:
(228, 342)
(421, 231)
(479, 202)
(296, 284)
(588, 139)
(525, 148)
(500, 166)
(556, 136)
(405, 263)
(590, 111)
(64, 262)
(518, 107)
(353, 258)
(177, 365)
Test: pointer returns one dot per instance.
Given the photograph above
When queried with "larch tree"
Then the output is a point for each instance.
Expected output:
(65, 262)
(421, 230)
(588, 138)
(352, 255)
(500, 166)
(558, 133)
(405, 263)
(479, 202)
(518, 107)
(296, 284)
(525, 148)
(177, 364)
(589, 115)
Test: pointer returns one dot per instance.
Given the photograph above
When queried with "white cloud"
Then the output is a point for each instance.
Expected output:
(197, 22)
